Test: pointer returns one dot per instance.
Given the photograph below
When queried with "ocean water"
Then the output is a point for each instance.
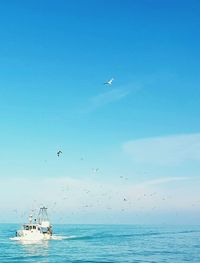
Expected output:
(106, 243)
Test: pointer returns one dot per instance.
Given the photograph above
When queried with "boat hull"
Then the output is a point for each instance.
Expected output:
(32, 235)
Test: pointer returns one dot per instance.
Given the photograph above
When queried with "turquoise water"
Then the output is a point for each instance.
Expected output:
(106, 243)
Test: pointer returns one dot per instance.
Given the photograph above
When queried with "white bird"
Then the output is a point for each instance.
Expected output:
(109, 82)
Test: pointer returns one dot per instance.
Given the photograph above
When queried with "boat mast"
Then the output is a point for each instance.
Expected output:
(30, 219)
(42, 215)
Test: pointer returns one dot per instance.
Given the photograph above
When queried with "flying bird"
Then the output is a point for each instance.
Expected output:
(109, 82)
(95, 170)
(58, 153)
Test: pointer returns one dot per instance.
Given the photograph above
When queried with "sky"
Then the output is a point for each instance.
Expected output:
(130, 150)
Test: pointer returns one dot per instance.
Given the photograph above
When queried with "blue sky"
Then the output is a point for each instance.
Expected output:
(142, 132)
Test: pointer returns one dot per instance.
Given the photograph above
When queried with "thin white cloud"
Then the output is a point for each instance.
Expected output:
(108, 97)
(164, 180)
(167, 150)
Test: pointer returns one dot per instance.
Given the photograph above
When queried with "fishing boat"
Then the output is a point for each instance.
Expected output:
(36, 229)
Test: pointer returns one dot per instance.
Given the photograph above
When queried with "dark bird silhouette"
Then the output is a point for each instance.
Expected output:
(58, 153)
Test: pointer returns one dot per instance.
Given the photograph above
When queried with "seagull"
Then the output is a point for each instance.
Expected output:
(95, 170)
(109, 82)
(58, 153)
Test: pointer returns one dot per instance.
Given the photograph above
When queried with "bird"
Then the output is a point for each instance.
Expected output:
(109, 82)
(95, 170)
(58, 153)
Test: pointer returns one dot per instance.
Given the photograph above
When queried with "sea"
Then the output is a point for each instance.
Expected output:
(106, 244)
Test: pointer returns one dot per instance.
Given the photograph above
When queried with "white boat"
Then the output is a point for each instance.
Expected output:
(37, 229)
